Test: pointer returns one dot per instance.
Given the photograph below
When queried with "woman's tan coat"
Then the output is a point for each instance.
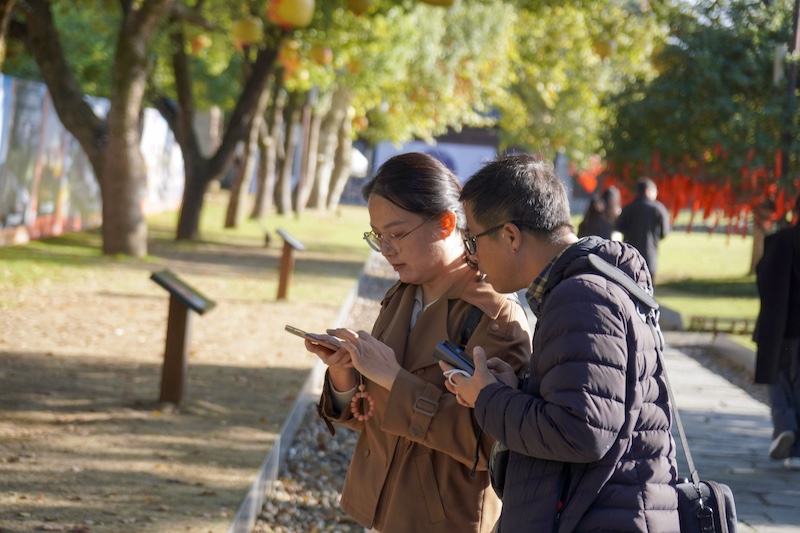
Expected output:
(411, 468)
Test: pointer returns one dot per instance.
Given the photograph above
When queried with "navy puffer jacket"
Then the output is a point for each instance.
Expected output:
(589, 432)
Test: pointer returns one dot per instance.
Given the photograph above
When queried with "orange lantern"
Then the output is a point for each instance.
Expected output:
(289, 55)
(199, 43)
(321, 55)
(291, 13)
(604, 48)
(247, 31)
(359, 7)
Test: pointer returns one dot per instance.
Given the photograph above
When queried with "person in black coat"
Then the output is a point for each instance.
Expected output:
(777, 335)
(644, 222)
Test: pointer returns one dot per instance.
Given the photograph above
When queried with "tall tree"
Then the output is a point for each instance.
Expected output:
(709, 125)
(111, 142)
(568, 58)
(6, 9)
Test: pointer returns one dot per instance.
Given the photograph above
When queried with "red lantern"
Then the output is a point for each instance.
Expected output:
(291, 13)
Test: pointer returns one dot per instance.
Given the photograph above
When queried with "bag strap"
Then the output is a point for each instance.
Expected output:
(470, 324)
(637, 293)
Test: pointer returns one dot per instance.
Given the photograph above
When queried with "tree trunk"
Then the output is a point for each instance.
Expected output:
(311, 167)
(199, 170)
(124, 173)
(271, 141)
(342, 162)
(112, 145)
(328, 140)
(284, 188)
(260, 205)
(241, 185)
(6, 8)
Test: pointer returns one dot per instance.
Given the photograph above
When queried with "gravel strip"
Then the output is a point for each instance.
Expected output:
(306, 495)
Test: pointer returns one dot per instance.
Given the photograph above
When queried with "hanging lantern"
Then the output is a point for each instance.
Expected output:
(359, 7)
(442, 3)
(247, 31)
(289, 55)
(199, 43)
(604, 48)
(291, 13)
(321, 55)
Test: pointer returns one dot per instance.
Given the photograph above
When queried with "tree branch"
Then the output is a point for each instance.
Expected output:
(42, 40)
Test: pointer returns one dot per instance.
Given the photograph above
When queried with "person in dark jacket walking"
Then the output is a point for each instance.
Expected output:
(588, 427)
(778, 337)
(644, 222)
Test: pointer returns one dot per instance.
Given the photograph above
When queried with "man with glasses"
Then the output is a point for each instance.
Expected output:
(588, 428)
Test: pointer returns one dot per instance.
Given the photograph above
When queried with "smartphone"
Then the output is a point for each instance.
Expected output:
(331, 344)
(450, 353)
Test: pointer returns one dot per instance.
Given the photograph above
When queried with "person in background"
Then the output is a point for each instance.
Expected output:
(588, 428)
(595, 221)
(644, 222)
(601, 215)
(613, 204)
(420, 463)
(777, 336)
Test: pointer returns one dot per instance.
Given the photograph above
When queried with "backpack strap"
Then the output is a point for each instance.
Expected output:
(621, 278)
(470, 324)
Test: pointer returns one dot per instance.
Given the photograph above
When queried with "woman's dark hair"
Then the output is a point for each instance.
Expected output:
(420, 184)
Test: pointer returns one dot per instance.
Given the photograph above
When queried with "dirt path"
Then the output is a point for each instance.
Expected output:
(84, 444)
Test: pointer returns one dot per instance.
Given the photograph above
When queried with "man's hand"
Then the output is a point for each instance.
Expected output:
(468, 389)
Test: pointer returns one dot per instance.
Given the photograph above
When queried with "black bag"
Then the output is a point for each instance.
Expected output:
(706, 507)
(498, 463)
(703, 506)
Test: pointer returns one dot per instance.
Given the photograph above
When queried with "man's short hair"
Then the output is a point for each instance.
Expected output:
(644, 185)
(520, 188)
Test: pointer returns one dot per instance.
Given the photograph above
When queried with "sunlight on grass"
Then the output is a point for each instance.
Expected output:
(699, 274)
(702, 274)
(325, 271)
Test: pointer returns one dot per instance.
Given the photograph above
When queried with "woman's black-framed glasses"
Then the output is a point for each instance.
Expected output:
(389, 240)
(470, 242)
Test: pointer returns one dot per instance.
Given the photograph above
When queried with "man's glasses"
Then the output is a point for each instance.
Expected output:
(470, 242)
(388, 241)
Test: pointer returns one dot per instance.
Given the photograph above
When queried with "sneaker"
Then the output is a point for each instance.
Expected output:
(792, 463)
(780, 447)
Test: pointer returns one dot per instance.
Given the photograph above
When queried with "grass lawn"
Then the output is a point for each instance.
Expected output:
(702, 274)
(699, 274)
(333, 244)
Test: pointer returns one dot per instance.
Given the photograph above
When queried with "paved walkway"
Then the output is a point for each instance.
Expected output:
(729, 433)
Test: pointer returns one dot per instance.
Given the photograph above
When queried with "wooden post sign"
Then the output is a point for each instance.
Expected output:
(290, 245)
(182, 301)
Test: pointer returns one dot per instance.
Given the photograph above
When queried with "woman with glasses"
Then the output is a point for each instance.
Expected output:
(420, 463)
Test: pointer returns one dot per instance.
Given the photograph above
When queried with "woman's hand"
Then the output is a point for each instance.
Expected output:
(375, 360)
(340, 366)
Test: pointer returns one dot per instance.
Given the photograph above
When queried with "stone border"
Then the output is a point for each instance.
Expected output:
(248, 512)
(733, 352)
